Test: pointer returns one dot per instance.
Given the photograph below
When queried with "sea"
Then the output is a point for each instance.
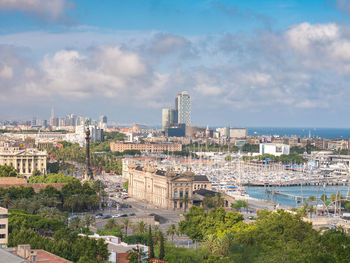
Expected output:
(331, 133)
(302, 191)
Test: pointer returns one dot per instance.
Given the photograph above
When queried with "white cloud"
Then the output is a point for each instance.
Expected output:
(303, 36)
(6, 72)
(50, 10)
(107, 72)
(305, 67)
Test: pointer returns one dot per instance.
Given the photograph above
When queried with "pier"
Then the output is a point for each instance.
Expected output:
(274, 193)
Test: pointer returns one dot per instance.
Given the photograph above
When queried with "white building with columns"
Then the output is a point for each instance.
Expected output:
(24, 161)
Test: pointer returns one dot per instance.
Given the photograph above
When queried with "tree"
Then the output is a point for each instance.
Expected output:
(7, 171)
(190, 226)
(208, 202)
(171, 231)
(102, 250)
(218, 200)
(110, 224)
(141, 227)
(228, 158)
(347, 206)
(136, 255)
(126, 223)
(89, 220)
(312, 198)
(239, 204)
(126, 185)
(161, 247)
(150, 243)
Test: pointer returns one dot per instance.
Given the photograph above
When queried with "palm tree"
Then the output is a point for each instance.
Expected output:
(89, 220)
(311, 210)
(208, 202)
(6, 200)
(75, 223)
(239, 204)
(171, 231)
(218, 200)
(157, 232)
(126, 223)
(312, 198)
(110, 224)
(141, 227)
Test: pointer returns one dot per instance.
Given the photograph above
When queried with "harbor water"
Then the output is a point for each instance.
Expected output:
(304, 191)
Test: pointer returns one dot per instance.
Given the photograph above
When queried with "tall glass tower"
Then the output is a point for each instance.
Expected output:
(183, 108)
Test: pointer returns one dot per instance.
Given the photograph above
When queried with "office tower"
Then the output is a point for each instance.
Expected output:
(102, 122)
(103, 119)
(52, 118)
(183, 108)
(169, 117)
(34, 121)
(71, 120)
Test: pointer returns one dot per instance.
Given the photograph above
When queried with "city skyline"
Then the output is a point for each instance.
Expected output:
(252, 63)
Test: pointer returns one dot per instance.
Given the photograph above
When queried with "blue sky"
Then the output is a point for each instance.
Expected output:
(245, 63)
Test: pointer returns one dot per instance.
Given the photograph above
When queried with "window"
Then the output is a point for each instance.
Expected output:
(181, 193)
(205, 186)
(186, 193)
(2, 236)
(180, 204)
(175, 204)
(175, 194)
(2, 226)
(4, 216)
(194, 187)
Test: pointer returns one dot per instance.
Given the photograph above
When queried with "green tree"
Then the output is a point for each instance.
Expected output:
(141, 227)
(111, 223)
(136, 255)
(150, 243)
(126, 224)
(7, 171)
(172, 231)
(161, 247)
(193, 219)
(239, 204)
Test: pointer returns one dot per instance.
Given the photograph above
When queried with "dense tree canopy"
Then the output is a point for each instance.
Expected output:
(274, 237)
(52, 178)
(37, 231)
(7, 171)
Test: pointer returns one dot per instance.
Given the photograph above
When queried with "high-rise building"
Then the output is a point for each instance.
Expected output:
(52, 118)
(183, 108)
(102, 122)
(169, 117)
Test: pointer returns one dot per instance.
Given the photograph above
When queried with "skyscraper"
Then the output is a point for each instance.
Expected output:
(183, 108)
(102, 122)
(169, 118)
(52, 118)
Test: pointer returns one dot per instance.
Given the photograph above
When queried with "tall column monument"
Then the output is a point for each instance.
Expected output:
(88, 172)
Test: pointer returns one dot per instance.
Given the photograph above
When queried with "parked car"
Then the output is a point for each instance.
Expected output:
(123, 215)
(107, 216)
(98, 216)
(132, 214)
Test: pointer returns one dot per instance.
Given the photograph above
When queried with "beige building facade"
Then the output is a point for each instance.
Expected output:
(166, 189)
(3, 227)
(24, 161)
(145, 147)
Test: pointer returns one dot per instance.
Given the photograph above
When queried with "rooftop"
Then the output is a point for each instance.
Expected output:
(8, 257)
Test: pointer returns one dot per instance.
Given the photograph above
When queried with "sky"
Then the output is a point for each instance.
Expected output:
(245, 63)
